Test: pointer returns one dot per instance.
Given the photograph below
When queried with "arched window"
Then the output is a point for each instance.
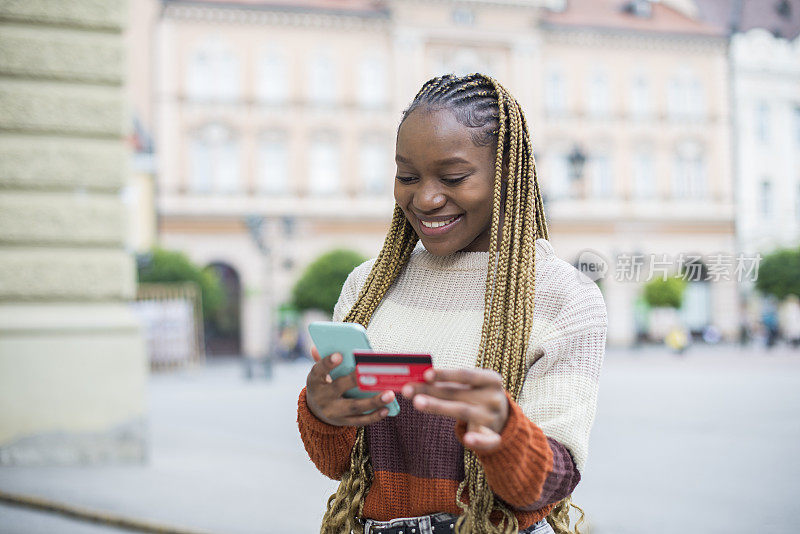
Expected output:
(375, 157)
(644, 176)
(641, 105)
(555, 91)
(372, 82)
(557, 182)
(688, 171)
(324, 165)
(273, 163)
(601, 179)
(215, 161)
(598, 104)
(685, 96)
(213, 71)
(272, 84)
(322, 79)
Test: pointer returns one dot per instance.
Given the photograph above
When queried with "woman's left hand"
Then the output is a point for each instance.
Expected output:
(475, 396)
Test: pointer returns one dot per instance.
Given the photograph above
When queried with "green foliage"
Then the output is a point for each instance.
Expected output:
(779, 273)
(320, 284)
(160, 266)
(664, 293)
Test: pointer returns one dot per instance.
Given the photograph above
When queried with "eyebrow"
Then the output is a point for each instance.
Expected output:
(441, 162)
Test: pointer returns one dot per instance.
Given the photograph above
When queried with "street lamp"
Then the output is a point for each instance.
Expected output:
(576, 159)
(256, 226)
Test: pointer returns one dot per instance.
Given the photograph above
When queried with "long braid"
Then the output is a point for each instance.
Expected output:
(518, 219)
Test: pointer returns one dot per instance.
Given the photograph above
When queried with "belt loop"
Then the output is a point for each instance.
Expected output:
(425, 526)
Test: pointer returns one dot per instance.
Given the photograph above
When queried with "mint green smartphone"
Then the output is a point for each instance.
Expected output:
(344, 338)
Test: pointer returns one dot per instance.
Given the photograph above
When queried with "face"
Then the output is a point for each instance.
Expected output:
(444, 182)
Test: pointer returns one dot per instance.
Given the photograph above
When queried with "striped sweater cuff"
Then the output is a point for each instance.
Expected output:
(517, 469)
(328, 446)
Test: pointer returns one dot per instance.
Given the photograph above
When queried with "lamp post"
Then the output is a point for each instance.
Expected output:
(576, 159)
(256, 225)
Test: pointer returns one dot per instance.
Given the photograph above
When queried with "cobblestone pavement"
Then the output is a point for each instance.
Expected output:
(706, 442)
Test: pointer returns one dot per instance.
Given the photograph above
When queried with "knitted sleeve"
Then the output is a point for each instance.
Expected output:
(545, 441)
(329, 446)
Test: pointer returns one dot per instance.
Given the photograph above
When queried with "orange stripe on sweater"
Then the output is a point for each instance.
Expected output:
(394, 495)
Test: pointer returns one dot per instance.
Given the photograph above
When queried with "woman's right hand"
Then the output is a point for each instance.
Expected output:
(324, 396)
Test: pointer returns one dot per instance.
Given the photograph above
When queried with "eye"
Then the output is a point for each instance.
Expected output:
(454, 181)
(405, 179)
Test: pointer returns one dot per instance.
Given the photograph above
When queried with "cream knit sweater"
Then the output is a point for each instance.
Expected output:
(436, 306)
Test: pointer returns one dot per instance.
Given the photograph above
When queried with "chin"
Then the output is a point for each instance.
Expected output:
(440, 249)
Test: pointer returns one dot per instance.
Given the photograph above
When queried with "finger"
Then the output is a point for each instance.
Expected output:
(472, 377)
(442, 390)
(368, 419)
(315, 353)
(482, 441)
(319, 372)
(344, 383)
(462, 411)
(357, 407)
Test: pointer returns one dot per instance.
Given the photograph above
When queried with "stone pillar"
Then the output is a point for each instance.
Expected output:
(72, 359)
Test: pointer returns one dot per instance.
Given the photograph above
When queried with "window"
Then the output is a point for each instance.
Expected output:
(555, 92)
(213, 72)
(762, 122)
(688, 172)
(644, 178)
(372, 83)
(685, 98)
(598, 104)
(640, 97)
(215, 160)
(797, 202)
(464, 61)
(463, 16)
(273, 164)
(558, 180)
(324, 166)
(797, 124)
(373, 163)
(601, 179)
(766, 198)
(273, 76)
(322, 80)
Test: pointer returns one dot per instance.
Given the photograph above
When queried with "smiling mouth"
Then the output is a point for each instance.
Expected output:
(438, 224)
(433, 228)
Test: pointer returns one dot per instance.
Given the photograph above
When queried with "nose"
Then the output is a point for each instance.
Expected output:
(429, 197)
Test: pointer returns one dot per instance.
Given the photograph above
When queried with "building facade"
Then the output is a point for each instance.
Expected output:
(274, 130)
(72, 358)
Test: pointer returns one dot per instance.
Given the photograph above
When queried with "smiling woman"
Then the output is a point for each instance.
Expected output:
(496, 437)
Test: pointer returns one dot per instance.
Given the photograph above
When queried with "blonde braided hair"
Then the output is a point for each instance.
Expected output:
(478, 101)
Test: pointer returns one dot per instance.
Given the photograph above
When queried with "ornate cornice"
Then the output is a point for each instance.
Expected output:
(597, 36)
(276, 15)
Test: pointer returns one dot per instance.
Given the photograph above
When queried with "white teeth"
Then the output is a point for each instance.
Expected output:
(437, 224)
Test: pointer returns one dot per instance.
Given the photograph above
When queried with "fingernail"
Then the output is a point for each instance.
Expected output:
(388, 396)
(428, 375)
(407, 390)
(420, 401)
(336, 358)
(384, 412)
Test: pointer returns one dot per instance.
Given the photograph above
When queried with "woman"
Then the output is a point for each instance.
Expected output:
(496, 438)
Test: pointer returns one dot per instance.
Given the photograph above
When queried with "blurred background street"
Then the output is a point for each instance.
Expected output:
(186, 184)
(706, 441)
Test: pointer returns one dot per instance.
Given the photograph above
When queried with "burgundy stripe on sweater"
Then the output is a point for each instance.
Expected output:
(561, 481)
(426, 446)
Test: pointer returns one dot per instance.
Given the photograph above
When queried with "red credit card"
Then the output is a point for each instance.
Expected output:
(379, 371)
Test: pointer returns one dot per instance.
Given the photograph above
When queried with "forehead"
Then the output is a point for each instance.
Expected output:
(430, 135)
